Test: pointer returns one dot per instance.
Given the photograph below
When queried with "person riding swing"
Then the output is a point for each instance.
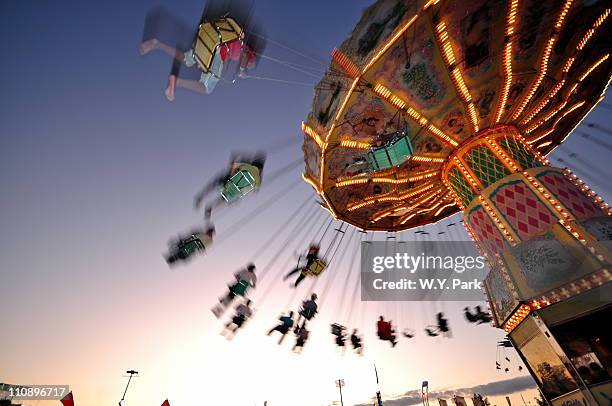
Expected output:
(441, 327)
(313, 266)
(385, 331)
(286, 322)
(244, 279)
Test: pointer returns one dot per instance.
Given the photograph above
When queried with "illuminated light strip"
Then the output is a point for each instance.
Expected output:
(562, 213)
(593, 67)
(587, 190)
(327, 205)
(436, 205)
(427, 159)
(556, 295)
(345, 63)
(544, 61)
(468, 174)
(519, 315)
(394, 181)
(553, 92)
(407, 217)
(455, 73)
(453, 194)
(347, 143)
(313, 134)
(568, 64)
(430, 3)
(509, 163)
(547, 117)
(385, 93)
(507, 64)
(441, 209)
(539, 156)
(331, 129)
(564, 11)
(390, 42)
(410, 215)
(401, 197)
(424, 199)
(417, 191)
(592, 30)
(387, 214)
(312, 183)
(554, 126)
(497, 221)
(538, 80)
(544, 144)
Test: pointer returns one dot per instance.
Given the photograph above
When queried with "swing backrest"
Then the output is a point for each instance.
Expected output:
(241, 287)
(239, 185)
(395, 153)
(317, 267)
(211, 36)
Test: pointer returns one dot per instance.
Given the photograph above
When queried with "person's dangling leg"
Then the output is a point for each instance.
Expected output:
(292, 272)
(227, 299)
(172, 79)
(213, 205)
(213, 185)
(300, 279)
(212, 77)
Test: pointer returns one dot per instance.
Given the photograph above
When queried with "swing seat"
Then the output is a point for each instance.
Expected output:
(239, 185)
(316, 268)
(213, 35)
(240, 288)
(337, 329)
(191, 246)
(394, 153)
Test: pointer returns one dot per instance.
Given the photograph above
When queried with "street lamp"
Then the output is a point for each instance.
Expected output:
(131, 372)
(340, 383)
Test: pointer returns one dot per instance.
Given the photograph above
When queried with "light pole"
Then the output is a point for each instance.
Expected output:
(340, 383)
(132, 373)
(425, 393)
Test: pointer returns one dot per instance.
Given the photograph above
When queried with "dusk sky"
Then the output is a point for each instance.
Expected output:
(98, 170)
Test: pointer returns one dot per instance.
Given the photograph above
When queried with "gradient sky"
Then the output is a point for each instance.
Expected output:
(98, 170)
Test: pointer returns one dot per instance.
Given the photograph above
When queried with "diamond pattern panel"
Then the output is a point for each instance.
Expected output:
(461, 186)
(522, 209)
(580, 205)
(485, 165)
(519, 152)
(485, 232)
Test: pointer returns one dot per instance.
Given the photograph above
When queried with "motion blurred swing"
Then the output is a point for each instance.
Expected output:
(212, 35)
(245, 180)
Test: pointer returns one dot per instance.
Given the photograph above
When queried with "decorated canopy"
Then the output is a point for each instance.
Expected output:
(415, 79)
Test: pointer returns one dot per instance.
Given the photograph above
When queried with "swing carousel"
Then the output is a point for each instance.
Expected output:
(434, 107)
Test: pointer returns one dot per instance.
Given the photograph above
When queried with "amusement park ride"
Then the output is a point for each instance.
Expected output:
(434, 107)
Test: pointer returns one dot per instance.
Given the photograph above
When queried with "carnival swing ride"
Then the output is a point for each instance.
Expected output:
(431, 108)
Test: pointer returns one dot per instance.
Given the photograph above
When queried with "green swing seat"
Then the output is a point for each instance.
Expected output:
(192, 245)
(394, 153)
(241, 288)
(245, 180)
